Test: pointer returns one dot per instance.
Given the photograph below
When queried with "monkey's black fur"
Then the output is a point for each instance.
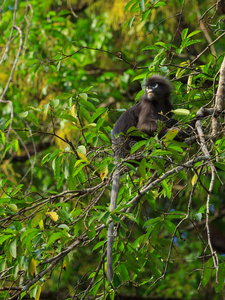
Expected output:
(154, 107)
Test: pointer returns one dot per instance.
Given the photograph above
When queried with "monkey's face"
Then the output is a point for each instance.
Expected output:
(157, 88)
(151, 90)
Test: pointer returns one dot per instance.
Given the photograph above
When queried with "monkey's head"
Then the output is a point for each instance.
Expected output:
(157, 88)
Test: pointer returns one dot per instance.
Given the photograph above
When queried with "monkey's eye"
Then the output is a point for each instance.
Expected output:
(154, 85)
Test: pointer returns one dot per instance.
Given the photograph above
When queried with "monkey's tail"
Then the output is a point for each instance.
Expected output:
(113, 201)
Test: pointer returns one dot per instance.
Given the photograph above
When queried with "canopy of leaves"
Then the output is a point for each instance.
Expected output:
(68, 69)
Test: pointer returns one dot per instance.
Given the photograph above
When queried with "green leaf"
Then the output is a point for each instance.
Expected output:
(207, 271)
(3, 138)
(132, 261)
(54, 103)
(160, 152)
(64, 96)
(94, 290)
(142, 168)
(91, 233)
(134, 8)
(167, 188)
(13, 207)
(68, 118)
(46, 108)
(2, 124)
(220, 165)
(87, 89)
(184, 33)
(221, 278)
(56, 236)
(137, 145)
(2, 265)
(156, 265)
(131, 167)
(198, 216)
(129, 4)
(150, 197)
(45, 158)
(13, 248)
(194, 33)
(131, 22)
(181, 112)
(188, 43)
(183, 175)
(155, 232)
(24, 114)
(142, 5)
(87, 104)
(28, 236)
(4, 238)
(159, 4)
(152, 221)
(79, 168)
(99, 111)
(140, 76)
(123, 272)
(15, 145)
(82, 150)
(145, 15)
(175, 148)
(56, 165)
(169, 226)
(63, 12)
(64, 226)
(98, 245)
(150, 47)
(130, 216)
(84, 96)
(85, 114)
(64, 214)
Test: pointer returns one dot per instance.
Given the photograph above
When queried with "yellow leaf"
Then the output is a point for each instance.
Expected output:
(38, 294)
(82, 156)
(33, 264)
(72, 111)
(194, 178)
(53, 215)
(189, 83)
(64, 264)
(171, 134)
(104, 173)
(41, 224)
(36, 219)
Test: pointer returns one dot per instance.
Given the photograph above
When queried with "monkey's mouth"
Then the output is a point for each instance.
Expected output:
(150, 94)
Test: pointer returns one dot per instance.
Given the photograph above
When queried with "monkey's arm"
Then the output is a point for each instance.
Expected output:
(121, 143)
(127, 120)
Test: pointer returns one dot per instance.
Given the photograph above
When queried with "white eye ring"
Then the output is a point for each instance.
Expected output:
(152, 86)
(155, 85)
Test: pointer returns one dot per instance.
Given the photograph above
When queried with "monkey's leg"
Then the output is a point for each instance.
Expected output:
(114, 195)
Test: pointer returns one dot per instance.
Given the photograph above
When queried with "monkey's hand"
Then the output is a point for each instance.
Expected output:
(149, 127)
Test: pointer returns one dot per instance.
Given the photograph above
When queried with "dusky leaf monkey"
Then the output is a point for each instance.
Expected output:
(155, 106)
